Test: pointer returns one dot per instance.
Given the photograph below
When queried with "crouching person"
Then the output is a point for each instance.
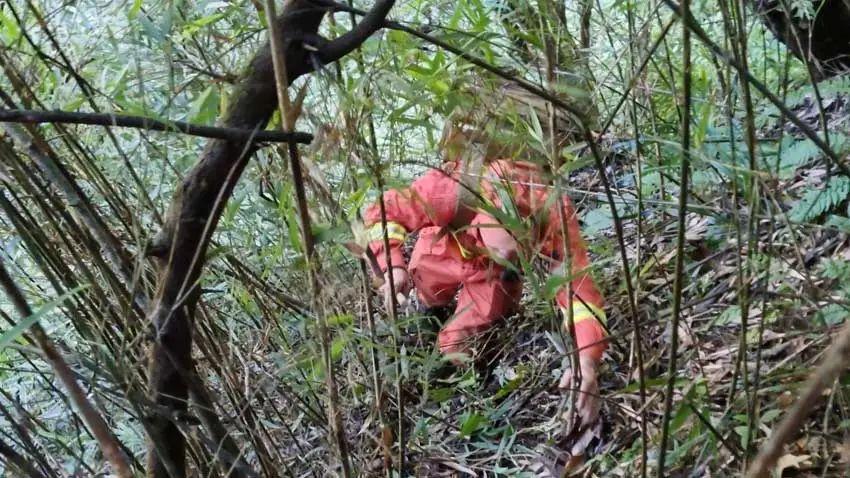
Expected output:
(463, 251)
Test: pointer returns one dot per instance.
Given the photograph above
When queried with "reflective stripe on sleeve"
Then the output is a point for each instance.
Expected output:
(395, 231)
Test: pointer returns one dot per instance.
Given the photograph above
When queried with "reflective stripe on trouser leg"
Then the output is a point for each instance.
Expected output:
(582, 312)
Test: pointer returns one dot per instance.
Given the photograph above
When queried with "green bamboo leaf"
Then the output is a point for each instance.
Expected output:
(134, 10)
(471, 424)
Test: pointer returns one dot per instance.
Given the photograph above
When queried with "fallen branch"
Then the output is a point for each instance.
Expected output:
(836, 361)
(150, 124)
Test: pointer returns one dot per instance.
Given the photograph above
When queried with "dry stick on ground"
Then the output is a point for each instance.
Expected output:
(109, 445)
(288, 116)
(834, 362)
(150, 124)
(197, 206)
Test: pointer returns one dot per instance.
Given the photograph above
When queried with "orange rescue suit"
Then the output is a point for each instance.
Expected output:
(455, 248)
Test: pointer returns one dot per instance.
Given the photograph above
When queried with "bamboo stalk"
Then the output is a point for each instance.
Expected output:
(288, 117)
(679, 279)
(109, 445)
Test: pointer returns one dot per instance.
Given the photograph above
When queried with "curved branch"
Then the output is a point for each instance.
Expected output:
(345, 44)
(141, 122)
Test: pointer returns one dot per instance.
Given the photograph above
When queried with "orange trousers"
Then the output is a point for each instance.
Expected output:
(439, 270)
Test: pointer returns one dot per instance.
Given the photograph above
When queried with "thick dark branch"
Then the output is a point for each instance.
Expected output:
(345, 44)
(131, 121)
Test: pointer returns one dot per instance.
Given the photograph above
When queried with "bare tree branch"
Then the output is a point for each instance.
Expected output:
(345, 44)
(141, 122)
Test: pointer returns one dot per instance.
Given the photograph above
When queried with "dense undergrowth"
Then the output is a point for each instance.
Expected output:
(766, 252)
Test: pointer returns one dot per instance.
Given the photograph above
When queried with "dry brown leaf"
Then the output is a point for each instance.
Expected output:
(785, 400)
(459, 467)
(843, 452)
(789, 461)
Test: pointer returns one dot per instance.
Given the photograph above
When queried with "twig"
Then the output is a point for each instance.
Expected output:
(393, 313)
(637, 346)
(836, 360)
(19, 461)
(141, 122)
(109, 445)
(373, 21)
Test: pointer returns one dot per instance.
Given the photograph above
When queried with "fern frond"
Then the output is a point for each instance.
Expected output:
(818, 201)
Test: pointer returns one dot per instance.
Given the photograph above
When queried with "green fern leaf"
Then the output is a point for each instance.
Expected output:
(798, 154)
(818, 201)
(802, 152)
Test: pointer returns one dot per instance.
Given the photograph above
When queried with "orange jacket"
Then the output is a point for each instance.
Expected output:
(433, 200)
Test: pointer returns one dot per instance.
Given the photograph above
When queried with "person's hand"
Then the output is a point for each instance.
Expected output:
(401, 280)
(588, 400)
